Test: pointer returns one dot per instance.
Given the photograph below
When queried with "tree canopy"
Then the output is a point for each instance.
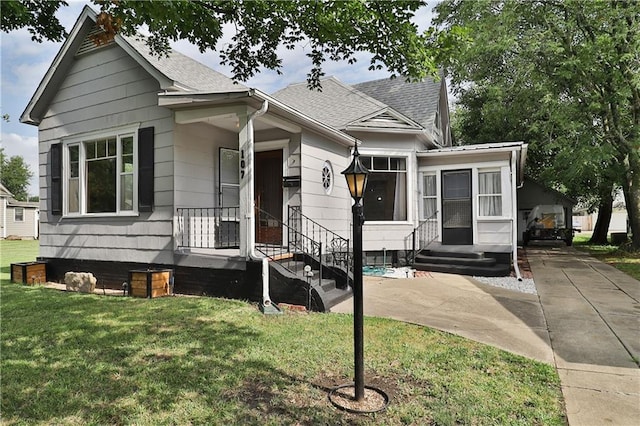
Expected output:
(14, 175)
(332, 30)
(563, 76)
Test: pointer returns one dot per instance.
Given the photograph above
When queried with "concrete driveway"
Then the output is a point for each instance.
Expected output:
(585, 321)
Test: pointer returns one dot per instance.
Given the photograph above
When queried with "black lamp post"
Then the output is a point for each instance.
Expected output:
(357, 176)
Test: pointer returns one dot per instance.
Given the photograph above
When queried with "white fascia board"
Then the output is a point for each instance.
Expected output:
(411, 124)
(194, 115)
(59, 65)
(473, 149)
(165, 82)
(305, 120)
(176, 100)
(202, 99)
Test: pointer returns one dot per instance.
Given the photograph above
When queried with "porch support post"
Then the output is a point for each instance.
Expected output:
(514, 213)
(247, 219)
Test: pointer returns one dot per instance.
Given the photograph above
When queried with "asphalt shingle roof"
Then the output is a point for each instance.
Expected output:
(339, 104)
(185, 70)
(418, 101)
(336, 105)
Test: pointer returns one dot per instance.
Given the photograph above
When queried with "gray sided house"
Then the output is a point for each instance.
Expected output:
(425, 199)
(18, 219)
(150, 162)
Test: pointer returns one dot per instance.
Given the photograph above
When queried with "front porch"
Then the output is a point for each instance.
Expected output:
(308, 264)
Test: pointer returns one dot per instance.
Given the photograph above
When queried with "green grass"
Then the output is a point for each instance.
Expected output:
(69, 358)
(616, 256)
(15, 252)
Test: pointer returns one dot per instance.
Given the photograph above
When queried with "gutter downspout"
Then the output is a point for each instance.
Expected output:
(251, 232)
(514, 232)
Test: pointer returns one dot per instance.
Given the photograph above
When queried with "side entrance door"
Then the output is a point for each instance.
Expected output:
(268, 182)
(457, 225)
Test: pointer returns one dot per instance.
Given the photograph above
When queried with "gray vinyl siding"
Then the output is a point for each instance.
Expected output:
(104, 90)
(330, 210)
(196, 163)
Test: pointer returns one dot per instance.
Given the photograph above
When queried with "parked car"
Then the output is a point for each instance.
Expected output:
(547, 222)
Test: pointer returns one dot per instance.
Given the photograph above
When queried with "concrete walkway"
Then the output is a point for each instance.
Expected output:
(593, 316)
(585, 321)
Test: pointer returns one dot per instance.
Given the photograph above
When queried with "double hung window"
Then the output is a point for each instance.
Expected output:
(489, 193)
(18, 214)
(429, 196)
(385, 198)
(100, 175)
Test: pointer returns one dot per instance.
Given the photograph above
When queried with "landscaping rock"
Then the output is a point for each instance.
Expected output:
(84, 282)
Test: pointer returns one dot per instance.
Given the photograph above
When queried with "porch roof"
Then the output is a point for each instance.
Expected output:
(254, 99)
(497, 147)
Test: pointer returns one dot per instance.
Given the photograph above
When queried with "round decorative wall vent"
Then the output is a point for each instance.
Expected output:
(327, 177)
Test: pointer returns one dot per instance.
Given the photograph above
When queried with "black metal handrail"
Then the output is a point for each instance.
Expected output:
(208, 227)
(336, 248)
(285, 252)
(424, 234)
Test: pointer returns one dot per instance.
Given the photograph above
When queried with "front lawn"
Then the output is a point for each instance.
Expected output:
(624, 260)
(69, 358)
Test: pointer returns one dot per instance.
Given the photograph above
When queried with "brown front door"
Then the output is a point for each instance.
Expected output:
(268, 192)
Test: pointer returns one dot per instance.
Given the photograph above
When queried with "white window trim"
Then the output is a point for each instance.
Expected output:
(331, 176)
(423, 196)
(409, 170)
(15, 210)
(118, 133)
(477, 173)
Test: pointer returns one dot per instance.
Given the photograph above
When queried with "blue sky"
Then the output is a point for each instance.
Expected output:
(24, 63)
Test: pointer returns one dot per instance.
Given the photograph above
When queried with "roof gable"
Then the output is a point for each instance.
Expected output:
(336, 105)
(387, 119)
(416, 100)
(175, 72)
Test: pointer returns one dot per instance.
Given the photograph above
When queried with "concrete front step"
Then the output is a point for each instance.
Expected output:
(451, 260)
(337, 295)
(498, 270)
(456, 254)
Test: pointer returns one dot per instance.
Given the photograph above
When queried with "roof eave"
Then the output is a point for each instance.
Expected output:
(473, 149)
(186, 100)
(55, 69)
(34, 111)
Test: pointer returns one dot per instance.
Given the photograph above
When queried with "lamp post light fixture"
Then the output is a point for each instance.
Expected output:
(377, 400)
(357, 176)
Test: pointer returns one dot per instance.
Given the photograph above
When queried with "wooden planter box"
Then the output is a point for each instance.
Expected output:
(29, 272)
(150, 282)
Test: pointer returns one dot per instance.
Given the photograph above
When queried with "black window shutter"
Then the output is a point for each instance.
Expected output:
(145, 169)
(55, 192)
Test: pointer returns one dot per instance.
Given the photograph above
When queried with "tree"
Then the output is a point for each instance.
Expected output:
(334, 30)
(563, 76)
(15, 175)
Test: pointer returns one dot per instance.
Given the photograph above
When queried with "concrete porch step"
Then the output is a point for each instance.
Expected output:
(452, 260)
(497, 270)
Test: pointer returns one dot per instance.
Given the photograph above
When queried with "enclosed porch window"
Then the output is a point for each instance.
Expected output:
(385, 198)
(489, 193)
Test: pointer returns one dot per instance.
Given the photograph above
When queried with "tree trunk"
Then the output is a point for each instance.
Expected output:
(631, 189)
(605, 209)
